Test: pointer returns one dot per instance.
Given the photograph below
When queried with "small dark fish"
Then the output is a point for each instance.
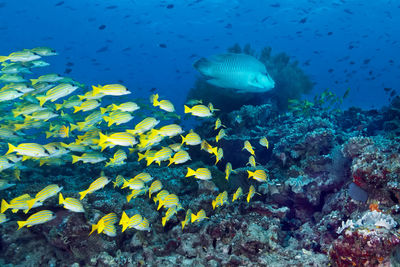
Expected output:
(162, 45)
(330, 70)
(121, 81)
(103, 49)
(330, 33)
(111, 7)
(393, 93)
(67, 70)
(264, 19)
(153, 89)
(387, 89)
(70, 64)
(59, 3)
(126, 49)
(102, 27)
(303, 20)
(366, 61)
(228, 26)
(276, 5)
(170, 6)
(348, 11)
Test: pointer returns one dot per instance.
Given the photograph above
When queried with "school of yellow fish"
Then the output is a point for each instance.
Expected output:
(50, 105)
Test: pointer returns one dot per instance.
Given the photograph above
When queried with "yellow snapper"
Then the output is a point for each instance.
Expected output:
(135, 193)
(127, 107)
(160, 195)
(251, 193)
(163, 104)
(106, 225)
(87, 105)
(169, 201)
(219, 155)
(218, 124)
(44, 115)
(155, 187)
(220, 200)
(133, 183)
(168, 214)
(201, 215)
(163, 154)
(169, 130)
(208, 148)
(264, 142)
(131, 222)
(119, 180)
(118, 159)
(258, 175)
(20, 56)
(9, 94)
(198, 111)
(44, 51)
(70, 203)
(69, 103)
(228, 170)
(110, 89)
(28, 149)
(252, 161)
(45, 193)
(144, 126)
(120, 139)
(118, 117)
(200, 173)
(90, 157)
(180, 157)
(187, 218)
(26, 109)
(221, 134)
(19, 203)
(37, 218)
(47, 78)
(237, 195)
(57, 92)
(97, 184)
(191, 139)
(248, 147)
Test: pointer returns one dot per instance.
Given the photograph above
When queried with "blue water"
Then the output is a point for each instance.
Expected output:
(146, 44)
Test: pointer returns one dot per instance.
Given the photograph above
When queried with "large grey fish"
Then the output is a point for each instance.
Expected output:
(242, 72)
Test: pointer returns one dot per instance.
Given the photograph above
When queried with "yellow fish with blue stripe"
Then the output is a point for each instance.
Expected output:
(200, 173)
(144, 126)
(57, 92)
(247, 146)
(163, 104)
(110, 89)
(201, 215)
(97, 184)
(37, 218)
(70, 203)
(118, 117)
(45, 193)
(106, 225)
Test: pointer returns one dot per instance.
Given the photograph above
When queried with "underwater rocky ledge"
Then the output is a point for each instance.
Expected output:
(332, 198)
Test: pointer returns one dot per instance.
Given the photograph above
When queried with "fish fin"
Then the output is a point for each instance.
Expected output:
(4, 206)
(58, 106)
(75, 159)
(160, 204)
(155, 100)
(83, 194)
(11, 148)
(96, 90)
(94, 228)
(42, 100)
(141, 156)
(48, 134)
(183, 224)
(129, 197)
(124, 218)
(164, 220)
(103, 110)
(250, 173)
(21, 224)
(102, 138)
(3, 58)
(73, 127)
(76, 109)
(124, 226)
(214, 203)
(60, 199)
(190, 172)
(187, 109)
(171, 160)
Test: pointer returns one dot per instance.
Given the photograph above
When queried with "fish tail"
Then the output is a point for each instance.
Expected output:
(213, 204)
(250, 173)
(102, 138)
(183, 139)
(3, 58)
(58, 106)
(103, 110)
(96, 90)
(214, 150)
(187, 109)
(149, 160)
(21, 224)
(164, 220)
(81, 97)
(140, 156)
(81, 125)
(94, 228)
(83, 194)
(75, 159)
(4, 206)
(124, 226)
(183, 224)
(60, 199)
(34, 81)
(15, 113)
(73, 127)
(171, 160)
(155, 100)
(11, 148)
(42, 100)
(160, 204)
(129, 197)
(124, 218)
(76, 109)
(190, 172)
(125, 184)
(48, 134)
(114, 107)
